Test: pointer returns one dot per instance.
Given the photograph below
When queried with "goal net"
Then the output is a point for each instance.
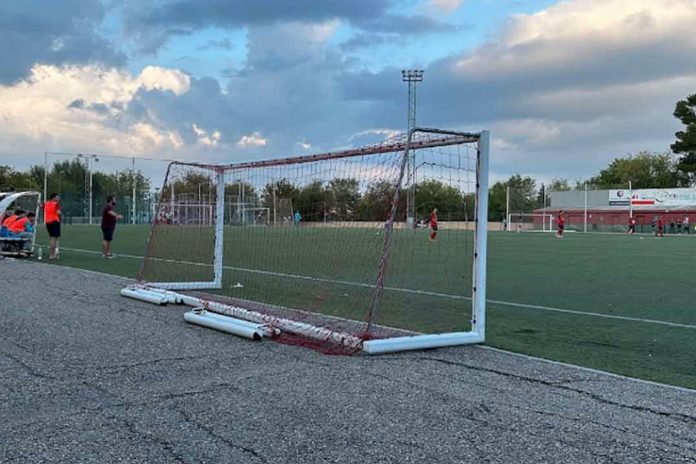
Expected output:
(346, 273)
(531, 222)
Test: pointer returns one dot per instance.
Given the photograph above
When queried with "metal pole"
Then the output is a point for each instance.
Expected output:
(275, 218)
(242, 199)
(543, 222)
(411, 77)
(219, 227)
(585, 219)
(171, 203)
(45, 190)
(135, 192)
(89, 168)
(630, 199)
(507, 208)
(478, 299)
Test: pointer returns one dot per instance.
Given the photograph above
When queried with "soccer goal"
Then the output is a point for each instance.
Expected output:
(362, 281)
(530, 222)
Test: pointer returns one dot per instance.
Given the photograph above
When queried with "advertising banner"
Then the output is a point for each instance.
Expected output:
(660, 197)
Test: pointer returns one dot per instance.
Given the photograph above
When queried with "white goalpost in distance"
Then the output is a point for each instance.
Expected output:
(531, 222)
(346, 272)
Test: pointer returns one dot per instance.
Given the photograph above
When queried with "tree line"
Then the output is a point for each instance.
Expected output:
(338, 199)
(70, 179)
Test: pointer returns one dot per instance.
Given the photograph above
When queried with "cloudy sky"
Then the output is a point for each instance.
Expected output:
(565, 86)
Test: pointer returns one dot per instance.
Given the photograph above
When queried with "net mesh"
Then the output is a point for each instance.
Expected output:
(323, 239)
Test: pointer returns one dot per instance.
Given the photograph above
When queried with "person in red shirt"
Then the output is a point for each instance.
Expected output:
(433, 224)
(108, 225)
(660, 227)
(561, 224)
(52, 217)
(631, 226)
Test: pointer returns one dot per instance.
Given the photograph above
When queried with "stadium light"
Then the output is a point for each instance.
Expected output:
(89, 158)
(412, 77)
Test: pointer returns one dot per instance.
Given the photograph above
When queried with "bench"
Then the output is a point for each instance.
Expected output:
(15, 246)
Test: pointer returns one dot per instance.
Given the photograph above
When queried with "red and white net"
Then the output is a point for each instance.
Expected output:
(323, 239)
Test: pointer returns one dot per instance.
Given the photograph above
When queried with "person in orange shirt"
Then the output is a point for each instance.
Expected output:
(52, 217)
(8, 218)
(12, 217)
(23, 228)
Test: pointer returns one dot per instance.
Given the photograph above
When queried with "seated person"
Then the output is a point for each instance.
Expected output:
(23, 227)
(5, 216)
(8, 218)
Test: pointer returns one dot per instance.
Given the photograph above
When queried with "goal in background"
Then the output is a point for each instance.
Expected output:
(359, 281)
(530, 222)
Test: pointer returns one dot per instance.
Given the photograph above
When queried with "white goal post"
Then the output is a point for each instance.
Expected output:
(530, 222)
(306, 265)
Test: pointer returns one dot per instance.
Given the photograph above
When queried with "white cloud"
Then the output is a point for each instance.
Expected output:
(205, 138)
(571, 32)
(146, 138)
(79, 107)
(198, 131)
(157, 78)
(446, 6)
(384, 132)
(255, 139)
(57, 44)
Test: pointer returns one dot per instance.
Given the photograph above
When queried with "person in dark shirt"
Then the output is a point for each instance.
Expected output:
(108, 225)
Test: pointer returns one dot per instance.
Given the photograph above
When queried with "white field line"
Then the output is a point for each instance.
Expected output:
(420, 292)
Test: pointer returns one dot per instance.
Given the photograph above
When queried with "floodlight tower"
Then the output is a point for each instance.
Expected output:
(89, 181)
(412, 77)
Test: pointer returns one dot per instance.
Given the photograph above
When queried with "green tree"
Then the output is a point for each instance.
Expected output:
(375, 203)
(11, 179)
(312, 202)
(344, 197)
(685, 145)
(284, 189)
(559, 185)
(522, 197)
(644, 170)
(240, 191)
(447, 199)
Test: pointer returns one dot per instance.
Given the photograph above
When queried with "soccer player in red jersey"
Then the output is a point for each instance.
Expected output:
(561, 224)
(433, 224)
(660, 226)
(631, 226)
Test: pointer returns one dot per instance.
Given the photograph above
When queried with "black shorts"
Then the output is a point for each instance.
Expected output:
(108, 233)
(561, 226)
(53, 229)
(434, 228)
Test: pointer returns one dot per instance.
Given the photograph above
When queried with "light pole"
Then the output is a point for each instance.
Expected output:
(135, 190)
(411, 77)
(89, 159)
